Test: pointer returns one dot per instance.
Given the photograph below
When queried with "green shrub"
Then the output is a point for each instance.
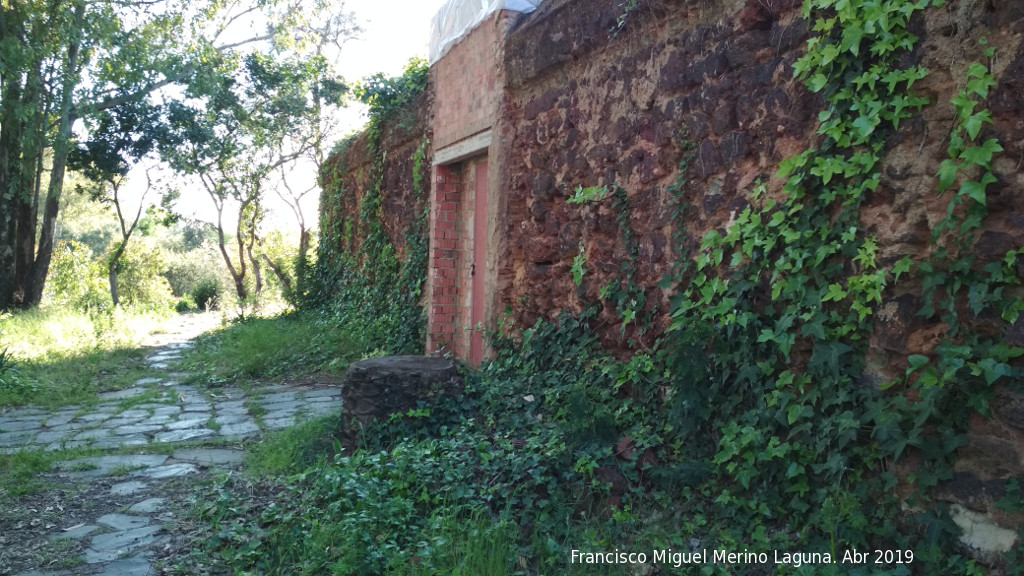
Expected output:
(76, 280)
(186, 304)
(140, 280)
(207, 294)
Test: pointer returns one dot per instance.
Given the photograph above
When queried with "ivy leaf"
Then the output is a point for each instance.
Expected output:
(865, 125)
(974, 123)
(852, 34)
(976, 297)
(947, 174)
(815, 327)
(835, 292)
(817, 82)
(902, 267)
(991, 369)
(793, 413)
(917, 361)
(974, 190)
(826, 355)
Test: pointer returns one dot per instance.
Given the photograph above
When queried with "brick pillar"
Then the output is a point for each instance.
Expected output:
(444, 258)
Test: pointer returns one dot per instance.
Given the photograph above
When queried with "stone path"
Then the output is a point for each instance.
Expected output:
(155, 411)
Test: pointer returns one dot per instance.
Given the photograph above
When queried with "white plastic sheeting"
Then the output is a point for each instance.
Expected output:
(457, 18)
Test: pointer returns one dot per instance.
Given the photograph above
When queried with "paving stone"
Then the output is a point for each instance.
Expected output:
(278, 423)
(165, 410)
(211, 456)
(9, 439)
(183, 435)
(144, 381)
(278, 397)
(119, 543)
(168, 471)
(77, 533)
(93, 434)
(66, 445)
(158, 421)
(73, 427)
(191, 409)
(322, 393)
(134, 566)
(35, 573)
(119, 441)
(231, 406)
(138, 429)
(126, 393)
(240, 429)
(59, 419)
(21, 425)
(94, 417)
(121, 522)
(323, 399)
(147, 506)
(127, 488)
(104, 464)
(223, 419)
(50, 436)
(134, 413)
(188, 423)
(118, 422)
(158, 365)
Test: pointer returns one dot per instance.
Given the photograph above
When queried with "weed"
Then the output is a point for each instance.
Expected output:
(67, 357)
(294, 449)
(293, 344)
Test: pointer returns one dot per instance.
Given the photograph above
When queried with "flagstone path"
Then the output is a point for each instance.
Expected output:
(155, 415)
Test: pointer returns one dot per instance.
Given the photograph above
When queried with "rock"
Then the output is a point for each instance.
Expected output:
(986, 540)
(374, 389)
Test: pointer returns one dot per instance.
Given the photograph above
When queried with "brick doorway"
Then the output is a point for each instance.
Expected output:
(458, 266)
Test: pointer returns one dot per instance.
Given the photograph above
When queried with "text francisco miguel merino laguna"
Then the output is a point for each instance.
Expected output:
(677, 559)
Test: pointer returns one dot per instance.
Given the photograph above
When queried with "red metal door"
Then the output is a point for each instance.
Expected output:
(476, 342)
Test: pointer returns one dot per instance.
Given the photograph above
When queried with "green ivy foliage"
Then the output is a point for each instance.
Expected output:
(372, 286)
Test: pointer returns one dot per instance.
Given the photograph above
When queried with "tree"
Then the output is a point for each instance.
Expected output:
(68, 60)
(247, 127)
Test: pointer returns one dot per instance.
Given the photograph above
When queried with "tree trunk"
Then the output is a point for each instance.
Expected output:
(61, 148)
(10, 153)
(11, 133)
(113, 285)
(26, 178)
(285, 281)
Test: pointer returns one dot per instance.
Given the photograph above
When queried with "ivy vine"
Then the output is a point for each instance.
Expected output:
(367, 282)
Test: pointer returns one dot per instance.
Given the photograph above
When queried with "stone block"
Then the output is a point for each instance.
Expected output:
(374, 389)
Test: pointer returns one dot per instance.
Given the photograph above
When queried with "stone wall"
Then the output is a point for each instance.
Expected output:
(578, 106)
(346, 178)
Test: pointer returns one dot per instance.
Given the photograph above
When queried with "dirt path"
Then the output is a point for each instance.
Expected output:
(114, 514)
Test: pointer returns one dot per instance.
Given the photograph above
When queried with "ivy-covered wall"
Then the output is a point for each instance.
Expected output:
(858, 226)
(348, 174)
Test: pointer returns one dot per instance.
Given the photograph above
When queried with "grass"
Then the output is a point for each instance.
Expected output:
(293, 344)
(294, 449)
(59, 357)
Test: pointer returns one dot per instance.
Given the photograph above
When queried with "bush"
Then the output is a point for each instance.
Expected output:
(140, 281)
(76, 280)
(186, 270)
(206, 294)
(186, 304)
